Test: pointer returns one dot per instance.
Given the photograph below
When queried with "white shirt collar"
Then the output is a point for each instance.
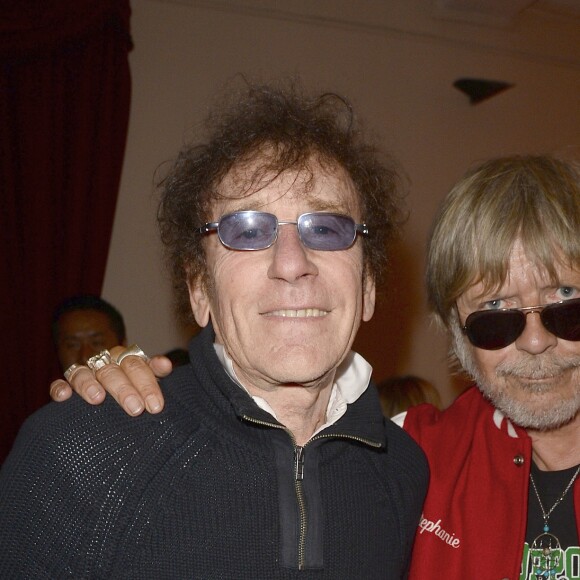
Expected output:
(350, 382)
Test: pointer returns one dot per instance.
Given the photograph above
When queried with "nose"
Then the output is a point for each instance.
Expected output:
(290, 259)
(535, 339)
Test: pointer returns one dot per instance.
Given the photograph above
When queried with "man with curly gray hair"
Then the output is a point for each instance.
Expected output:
(271, 458)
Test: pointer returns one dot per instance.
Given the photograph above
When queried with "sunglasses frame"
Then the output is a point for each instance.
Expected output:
(524, 311)
(215, 226)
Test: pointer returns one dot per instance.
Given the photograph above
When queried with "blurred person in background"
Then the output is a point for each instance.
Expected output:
(398, 393)
(83, 326)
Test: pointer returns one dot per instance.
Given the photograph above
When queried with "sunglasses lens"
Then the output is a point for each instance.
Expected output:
(326, 231)
(248, 230)
(254, 230)
(563, 319)
(494, 329)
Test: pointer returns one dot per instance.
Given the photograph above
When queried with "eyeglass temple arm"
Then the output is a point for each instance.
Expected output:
(206, 228)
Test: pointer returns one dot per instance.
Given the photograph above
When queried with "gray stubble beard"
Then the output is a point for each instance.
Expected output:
(534, 367)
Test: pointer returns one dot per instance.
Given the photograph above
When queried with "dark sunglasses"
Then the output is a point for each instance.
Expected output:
(495, 329)
(257, 230)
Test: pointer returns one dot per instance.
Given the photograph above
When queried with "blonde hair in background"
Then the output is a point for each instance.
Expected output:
(399, 393)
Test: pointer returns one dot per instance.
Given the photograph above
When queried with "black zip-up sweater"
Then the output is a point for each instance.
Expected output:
(212, 487)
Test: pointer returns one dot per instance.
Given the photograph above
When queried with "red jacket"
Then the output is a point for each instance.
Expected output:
(474, 518)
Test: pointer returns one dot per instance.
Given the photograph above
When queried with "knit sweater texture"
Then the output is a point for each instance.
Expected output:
(212, 487)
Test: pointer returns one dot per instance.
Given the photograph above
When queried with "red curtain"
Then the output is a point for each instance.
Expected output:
(64, 105)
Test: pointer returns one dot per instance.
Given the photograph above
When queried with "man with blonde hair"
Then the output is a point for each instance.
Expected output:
(503, 277)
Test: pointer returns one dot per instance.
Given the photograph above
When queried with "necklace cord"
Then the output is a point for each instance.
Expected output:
(559, 500)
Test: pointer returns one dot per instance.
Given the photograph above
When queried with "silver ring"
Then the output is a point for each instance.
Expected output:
(132, 350)
(72, 371)
(99, 360)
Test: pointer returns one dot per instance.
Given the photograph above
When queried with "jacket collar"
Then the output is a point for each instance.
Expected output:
(361, 418)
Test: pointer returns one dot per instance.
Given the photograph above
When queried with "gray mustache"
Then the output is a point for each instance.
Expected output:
(537, 366)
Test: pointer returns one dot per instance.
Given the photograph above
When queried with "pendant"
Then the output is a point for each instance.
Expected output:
(546, 554)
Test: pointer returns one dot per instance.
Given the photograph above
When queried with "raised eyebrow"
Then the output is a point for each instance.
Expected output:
(329, 207)
(332, 206)
(562, 284)
(244, 208)
(249, 207)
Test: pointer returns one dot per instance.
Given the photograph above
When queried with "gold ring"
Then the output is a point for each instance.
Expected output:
(132, 350)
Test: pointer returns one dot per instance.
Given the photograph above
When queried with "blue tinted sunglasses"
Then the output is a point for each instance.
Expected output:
(257, 230)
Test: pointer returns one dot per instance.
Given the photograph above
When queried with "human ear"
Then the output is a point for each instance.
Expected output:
(199, 300)
(369, 297)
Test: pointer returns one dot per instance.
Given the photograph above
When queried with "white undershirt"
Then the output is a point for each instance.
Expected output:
(399, 419)
(350, 382)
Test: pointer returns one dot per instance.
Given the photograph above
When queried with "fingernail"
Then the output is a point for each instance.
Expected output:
(94, 393)
(153, 404)
(59, 392)
(133, 405)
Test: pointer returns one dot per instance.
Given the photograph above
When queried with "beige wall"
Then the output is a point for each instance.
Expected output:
(397, 64)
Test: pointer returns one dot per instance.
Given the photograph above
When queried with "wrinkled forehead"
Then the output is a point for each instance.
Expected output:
(313, 186)
(539, 268)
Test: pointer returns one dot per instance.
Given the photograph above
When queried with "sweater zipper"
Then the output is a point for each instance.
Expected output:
(299, 451)
(298, 477)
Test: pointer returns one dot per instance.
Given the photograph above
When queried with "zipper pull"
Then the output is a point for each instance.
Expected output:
(299, 463)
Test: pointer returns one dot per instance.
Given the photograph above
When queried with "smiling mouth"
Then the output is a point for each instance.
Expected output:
(302, 313)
